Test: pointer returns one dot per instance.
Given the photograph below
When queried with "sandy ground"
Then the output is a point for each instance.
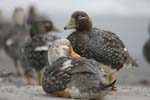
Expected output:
(129, 84)
(9, 91)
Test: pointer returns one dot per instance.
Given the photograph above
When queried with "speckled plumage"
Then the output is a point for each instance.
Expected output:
(38, 59)
(80, 77)
(103, 46)
(146, 51)
(81, 73)
(18, 35)
(4, 31)
(34, 48)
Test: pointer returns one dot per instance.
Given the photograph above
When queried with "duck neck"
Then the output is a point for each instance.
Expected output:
(85, 26)
(54, 54)
(35, 32)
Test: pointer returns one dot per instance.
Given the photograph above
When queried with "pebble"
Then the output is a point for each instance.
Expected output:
(147, 95)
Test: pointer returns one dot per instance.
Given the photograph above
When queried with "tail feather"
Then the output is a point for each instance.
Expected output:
(134, 63)
(130, 61)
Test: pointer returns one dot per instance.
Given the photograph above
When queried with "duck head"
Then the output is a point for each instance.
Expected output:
(60, 48)
(32, 11)
(41, 27)
(19, 16)
(79, 21)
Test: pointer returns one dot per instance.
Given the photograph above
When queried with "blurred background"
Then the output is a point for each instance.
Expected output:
(129, 19)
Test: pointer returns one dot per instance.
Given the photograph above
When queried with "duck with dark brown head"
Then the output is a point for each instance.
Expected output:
(34, 50)
(103, 46)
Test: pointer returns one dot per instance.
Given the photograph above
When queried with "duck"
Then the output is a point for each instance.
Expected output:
(103, 46)
(15, 38)
(1, 29)
(40, 33)
(71, 76)
(4, 29)
(146, 51)
(146, 48)
(34, 16)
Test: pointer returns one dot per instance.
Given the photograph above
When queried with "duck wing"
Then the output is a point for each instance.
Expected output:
(107, 48)
(57, 76)
(146, 51)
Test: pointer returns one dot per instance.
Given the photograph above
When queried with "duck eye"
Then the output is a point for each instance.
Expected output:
(105, 76)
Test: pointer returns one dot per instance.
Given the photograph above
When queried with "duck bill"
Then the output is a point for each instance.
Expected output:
(71, 24)
(111, 85)
(73, 54)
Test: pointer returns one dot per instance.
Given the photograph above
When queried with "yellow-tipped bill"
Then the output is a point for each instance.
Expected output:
(71, 24)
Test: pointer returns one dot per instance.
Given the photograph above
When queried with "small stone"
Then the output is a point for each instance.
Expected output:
(147, 95)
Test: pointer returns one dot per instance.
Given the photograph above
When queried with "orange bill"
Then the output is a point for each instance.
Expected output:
(73, 53)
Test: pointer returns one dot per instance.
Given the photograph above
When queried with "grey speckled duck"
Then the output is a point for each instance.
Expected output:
(4, 29)
(17, 36)
(103, 46)
(70, 75)
(33, 49)
(34, 16)
(146, 51)
(146, 48)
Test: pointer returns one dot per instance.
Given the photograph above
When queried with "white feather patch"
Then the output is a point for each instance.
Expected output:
(41, 48)
(127, 65)
(67, 64)
(9, 42)
(74, 91)
(125, 49)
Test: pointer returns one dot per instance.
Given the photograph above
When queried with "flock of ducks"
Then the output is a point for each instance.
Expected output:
(83, 65)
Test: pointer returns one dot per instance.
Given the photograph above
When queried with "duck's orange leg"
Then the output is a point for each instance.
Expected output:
(111, 78)
(73, 53)
(29, 76)
(39, 77)
(17, 70)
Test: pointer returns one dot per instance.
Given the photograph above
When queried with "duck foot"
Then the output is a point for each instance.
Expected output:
(63, 94)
